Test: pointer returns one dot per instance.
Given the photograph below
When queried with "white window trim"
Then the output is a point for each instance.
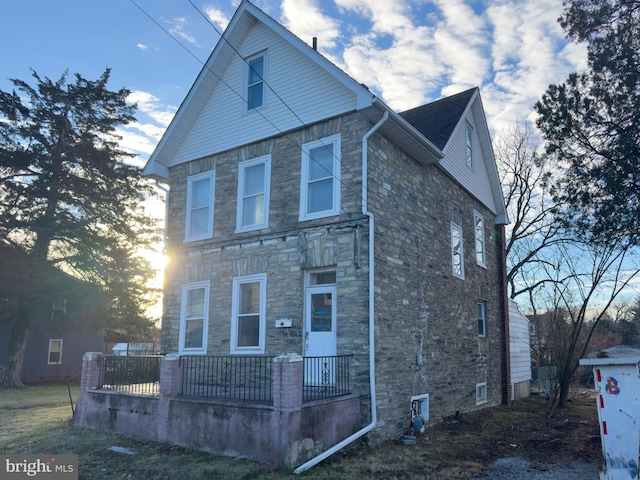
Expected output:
(183, 320)
(247, 70)
(457, 227)
(212, 183)
(484, 319)
(59, 362)
(237, 281)
(481, 388)
(304, 184)
(483, 261)
(266, 192)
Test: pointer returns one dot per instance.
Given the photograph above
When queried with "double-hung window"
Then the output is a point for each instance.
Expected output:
(55, 352)
(457, 254)
(194, 318)
(469, 146)
(253, 194)
(200, 195)
(320, 178)
(478, 226)
(248, 322)
(256, 72)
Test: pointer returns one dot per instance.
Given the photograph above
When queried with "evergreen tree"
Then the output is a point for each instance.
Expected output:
(592, 121)
(72, 202)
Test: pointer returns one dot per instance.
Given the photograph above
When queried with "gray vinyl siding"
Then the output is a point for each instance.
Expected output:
(475, 180)
(224, 123)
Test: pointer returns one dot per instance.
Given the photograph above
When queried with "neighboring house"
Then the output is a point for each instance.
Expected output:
(59, 338)
(520, 351)
(307, 216)
(55, 355)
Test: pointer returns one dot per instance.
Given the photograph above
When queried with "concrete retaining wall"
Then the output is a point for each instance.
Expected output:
(287, 431)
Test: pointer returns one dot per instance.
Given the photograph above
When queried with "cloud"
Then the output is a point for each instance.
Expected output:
(529, 52)
(142, 46)
(305, 19)
(412, 51)
(178, 29)
(216, 16)
(142, 136)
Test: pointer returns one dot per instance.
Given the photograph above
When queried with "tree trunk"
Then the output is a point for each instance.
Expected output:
(565, 385)
(17, 347)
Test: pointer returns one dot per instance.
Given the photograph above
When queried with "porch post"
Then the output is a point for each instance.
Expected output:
(170, 387)
(287, 383)
(170, 376)
(89, 379)
(287, 405)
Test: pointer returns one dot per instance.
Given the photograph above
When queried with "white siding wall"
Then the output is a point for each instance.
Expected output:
(224, 122)
(519, 345)
(475, 180)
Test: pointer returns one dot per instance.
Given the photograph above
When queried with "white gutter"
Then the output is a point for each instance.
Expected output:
(372, 366)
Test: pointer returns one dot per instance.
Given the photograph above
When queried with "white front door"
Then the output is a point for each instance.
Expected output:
(320, 321)
(320, 335)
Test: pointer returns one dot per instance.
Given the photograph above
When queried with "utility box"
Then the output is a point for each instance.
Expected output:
(616, 374)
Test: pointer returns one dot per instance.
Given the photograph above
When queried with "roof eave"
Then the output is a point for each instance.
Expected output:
(404, 134)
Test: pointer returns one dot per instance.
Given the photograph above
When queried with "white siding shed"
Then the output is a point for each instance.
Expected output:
(520, 349)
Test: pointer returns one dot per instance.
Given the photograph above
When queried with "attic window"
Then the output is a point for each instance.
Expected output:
(255, 82)
(469, 151)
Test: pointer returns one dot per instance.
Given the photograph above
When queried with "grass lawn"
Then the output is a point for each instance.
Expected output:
(38, 420)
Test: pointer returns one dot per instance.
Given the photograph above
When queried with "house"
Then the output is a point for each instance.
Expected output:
(299, 198)
(59, 337)
(305, 217)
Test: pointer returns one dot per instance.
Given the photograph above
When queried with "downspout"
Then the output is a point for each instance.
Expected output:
(372, 370)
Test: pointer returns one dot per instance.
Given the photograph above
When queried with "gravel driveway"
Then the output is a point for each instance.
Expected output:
(514, 468)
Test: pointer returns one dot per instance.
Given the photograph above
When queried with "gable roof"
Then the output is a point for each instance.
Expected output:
(244, 19)
(437, 120)
(422, 132)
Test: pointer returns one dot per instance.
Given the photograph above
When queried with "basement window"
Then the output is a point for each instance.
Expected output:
(481, 393)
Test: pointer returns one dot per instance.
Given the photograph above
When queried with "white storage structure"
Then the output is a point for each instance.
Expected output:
(616, 375)
(520, 350)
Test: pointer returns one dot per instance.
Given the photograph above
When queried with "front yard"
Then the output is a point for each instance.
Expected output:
(37, 420)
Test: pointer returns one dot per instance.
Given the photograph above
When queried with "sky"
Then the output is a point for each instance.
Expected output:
(408, 52)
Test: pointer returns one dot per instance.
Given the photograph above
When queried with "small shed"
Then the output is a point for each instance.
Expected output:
(520, 350)
(616, 374)
(122, 349)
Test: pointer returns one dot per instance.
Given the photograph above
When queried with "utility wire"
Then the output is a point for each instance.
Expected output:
(302, 122)
(239, 95)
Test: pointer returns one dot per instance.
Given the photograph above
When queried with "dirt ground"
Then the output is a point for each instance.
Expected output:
(465, 445)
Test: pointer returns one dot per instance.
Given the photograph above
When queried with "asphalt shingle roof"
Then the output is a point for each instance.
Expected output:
(437, 120)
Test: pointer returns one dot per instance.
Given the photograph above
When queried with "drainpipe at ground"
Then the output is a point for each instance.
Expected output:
(372, 371)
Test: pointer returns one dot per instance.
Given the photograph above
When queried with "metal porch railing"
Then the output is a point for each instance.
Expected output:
(326, 377)
(138, 374)
(246, 378)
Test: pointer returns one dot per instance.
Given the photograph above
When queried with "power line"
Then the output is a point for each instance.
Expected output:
(239, 95)
(302, 122)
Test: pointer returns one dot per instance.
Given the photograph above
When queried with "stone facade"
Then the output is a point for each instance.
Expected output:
(421, 308)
